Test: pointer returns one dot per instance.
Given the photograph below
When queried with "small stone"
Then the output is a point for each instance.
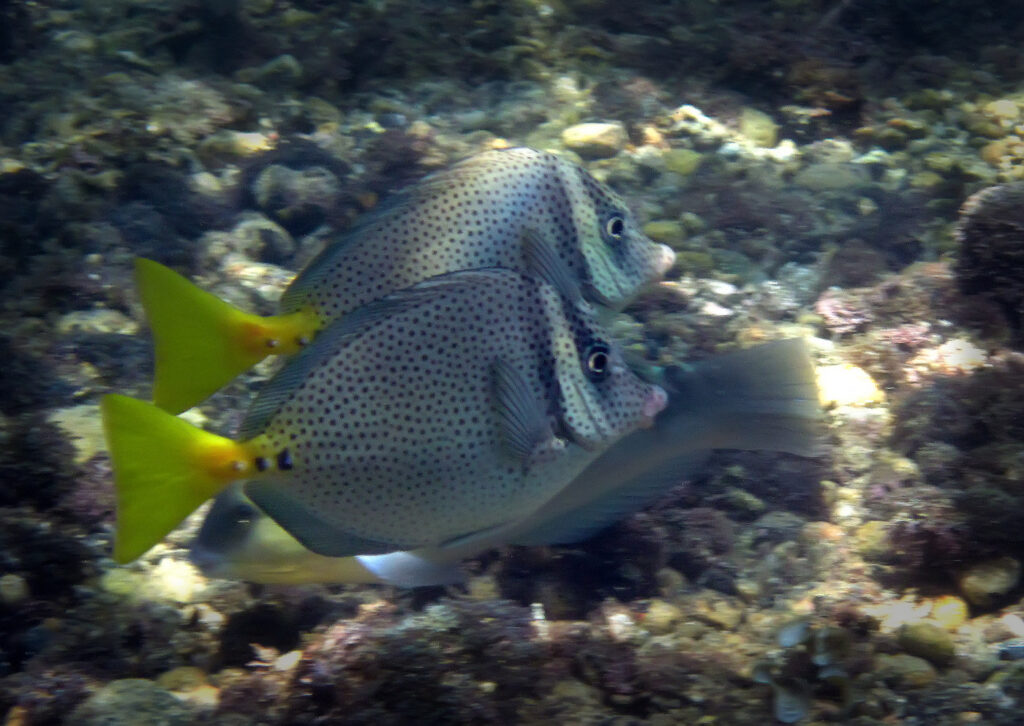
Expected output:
(905, 670)
(284, 71)
(666, 231)
(1003, 109)
(749, 590)
(949, 611)
(925, 179)
(759, 127)
(76, 41)
(96, 321)
(830, 177)
(595, 140)
(13, 590)
(670, 582)
(928, 641)
(718, 612)
(84, 428)
(872, 541)
(235, 143)
(184, 678)
(203, 698)
(662, 617)
(682, 161)
(847, 385)
(131, 701)
(984, 583)
(744, 503)
(299, 199)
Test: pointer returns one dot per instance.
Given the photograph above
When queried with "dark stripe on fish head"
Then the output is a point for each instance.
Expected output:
(619, 259)
(599, 399)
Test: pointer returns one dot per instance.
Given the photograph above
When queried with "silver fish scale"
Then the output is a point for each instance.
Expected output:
(475, 215)
(395, 436)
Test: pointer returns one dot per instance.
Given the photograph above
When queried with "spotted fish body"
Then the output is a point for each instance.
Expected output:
(454, 406)
(488, 211)
(763, 398)
(475, 215)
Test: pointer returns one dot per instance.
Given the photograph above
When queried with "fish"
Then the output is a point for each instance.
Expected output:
(763, 398)
(482, 212)
(437, 412)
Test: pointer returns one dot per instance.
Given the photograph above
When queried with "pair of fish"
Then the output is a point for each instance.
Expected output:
(763, 398)
(452, 373)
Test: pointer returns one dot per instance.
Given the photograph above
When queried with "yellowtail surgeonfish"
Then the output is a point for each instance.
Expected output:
(440, 411)
(763, 398)
(476, 214)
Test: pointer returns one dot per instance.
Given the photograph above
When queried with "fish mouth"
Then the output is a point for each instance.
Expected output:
(654, 404)
(665, 259)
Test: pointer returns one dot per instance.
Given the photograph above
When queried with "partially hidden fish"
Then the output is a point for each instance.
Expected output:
(763, 398)
(436, 413)
(476, 214)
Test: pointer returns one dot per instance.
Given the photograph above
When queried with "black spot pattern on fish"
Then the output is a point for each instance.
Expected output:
(395, 436)
(473, 216)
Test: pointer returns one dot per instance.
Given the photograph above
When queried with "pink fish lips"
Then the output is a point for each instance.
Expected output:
(655, 404)
(666, 258)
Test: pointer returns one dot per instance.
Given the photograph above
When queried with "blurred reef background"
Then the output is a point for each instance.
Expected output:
(851, 171)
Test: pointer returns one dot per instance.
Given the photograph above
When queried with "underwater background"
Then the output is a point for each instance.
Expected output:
(850, 172)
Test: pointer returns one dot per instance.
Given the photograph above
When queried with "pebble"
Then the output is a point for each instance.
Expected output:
(284, 71)
(928, 641)
(872, 541)
(129, 702)
(667, 231)
(595, 140)
(96, 322)
(718, 612)
(83, 427)
(985, 582)
(662, 617)
(906, 670)
(183, 678)
(830, 177)
(949, 611)
(13, 590)
(682, 161)
(758, 127)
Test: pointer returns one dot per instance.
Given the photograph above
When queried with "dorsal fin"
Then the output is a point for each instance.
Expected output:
(368, 224)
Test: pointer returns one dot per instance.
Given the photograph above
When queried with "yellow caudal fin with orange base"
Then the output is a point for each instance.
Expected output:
(201, 342)
(164, 468)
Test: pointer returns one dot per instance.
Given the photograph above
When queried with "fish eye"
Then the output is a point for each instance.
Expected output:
(598, 361)
(615, 226)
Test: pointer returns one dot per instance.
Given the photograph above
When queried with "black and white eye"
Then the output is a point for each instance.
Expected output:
(615, 226)
(598, 361)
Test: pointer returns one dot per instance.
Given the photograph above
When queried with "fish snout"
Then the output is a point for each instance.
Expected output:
(666, 258)
(654, 404)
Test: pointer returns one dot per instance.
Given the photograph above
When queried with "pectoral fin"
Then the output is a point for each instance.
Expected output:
(543, 261)
(524, 422)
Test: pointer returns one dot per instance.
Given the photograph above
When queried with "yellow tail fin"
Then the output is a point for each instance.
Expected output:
(164, 468)
(202, 342)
